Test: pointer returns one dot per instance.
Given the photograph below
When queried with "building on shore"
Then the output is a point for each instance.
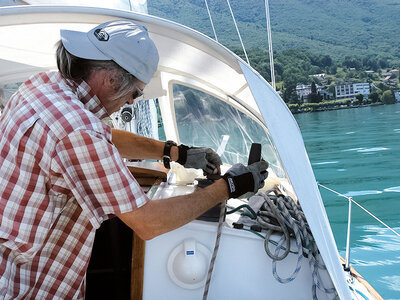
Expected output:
(395, 72)
(351, 90)
(304, 90)
(397, 96)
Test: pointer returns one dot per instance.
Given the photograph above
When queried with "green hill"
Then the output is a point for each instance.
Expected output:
(337, 28)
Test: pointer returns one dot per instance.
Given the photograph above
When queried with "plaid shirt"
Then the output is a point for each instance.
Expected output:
(60, 178)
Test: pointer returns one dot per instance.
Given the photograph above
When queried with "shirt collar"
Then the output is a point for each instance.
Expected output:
(91, 101)
(88, 99)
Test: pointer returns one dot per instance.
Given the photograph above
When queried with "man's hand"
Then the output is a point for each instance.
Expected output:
(200, 158)
(242, 179)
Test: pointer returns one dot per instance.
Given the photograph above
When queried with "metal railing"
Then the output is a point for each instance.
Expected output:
(351, 200)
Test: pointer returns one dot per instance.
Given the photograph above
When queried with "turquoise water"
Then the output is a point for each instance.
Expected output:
(357, 153)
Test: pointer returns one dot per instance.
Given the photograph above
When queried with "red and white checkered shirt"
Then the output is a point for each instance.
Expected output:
(60, 177)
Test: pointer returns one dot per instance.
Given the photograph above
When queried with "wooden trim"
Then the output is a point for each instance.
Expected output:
(148, 169)
(149, 177)
(147, 173)
(137, 272)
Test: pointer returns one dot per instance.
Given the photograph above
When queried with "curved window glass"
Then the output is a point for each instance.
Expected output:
(206, 121)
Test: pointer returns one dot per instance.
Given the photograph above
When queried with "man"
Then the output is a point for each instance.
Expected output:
(61, 172)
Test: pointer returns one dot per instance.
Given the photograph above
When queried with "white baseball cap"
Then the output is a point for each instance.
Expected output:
(123, 41)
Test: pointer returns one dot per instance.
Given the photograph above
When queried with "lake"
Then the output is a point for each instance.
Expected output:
(357, 153)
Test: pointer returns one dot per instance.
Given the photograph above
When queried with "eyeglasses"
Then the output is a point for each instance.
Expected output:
(137, 93)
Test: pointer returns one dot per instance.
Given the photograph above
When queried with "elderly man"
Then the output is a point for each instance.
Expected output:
(61, 171)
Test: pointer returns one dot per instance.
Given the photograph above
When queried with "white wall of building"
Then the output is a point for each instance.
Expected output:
(397, 96)
(352, 90)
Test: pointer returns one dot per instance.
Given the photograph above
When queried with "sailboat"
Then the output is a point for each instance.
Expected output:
(207, 96)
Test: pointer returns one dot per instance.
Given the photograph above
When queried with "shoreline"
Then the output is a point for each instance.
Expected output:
(320, 109)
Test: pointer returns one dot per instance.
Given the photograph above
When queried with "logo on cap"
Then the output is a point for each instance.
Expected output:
(101, 35)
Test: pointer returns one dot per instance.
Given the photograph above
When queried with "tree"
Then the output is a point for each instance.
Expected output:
(383, 63)
(370, 63)
(383, 86)
(388, 97)
(331, 90)
(313, 88)
(352, 62)
(289, 94)
(374, 97)
(314, 97)
(326, 61)
(332, 69)
(358, 100)
(292, 76)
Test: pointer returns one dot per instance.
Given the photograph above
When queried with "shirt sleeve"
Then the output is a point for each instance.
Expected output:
(97, 176)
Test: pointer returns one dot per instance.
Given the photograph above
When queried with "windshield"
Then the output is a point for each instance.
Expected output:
(206, 121)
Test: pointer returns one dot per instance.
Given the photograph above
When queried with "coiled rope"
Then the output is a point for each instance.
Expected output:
(282, 214)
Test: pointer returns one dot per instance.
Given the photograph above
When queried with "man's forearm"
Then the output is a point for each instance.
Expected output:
(161, 216)
(133, 146)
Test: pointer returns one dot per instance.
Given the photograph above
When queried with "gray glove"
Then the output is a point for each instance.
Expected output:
(242, 179)
(199, 158)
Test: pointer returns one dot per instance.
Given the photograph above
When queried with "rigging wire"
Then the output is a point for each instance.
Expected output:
(360, 206)
(271, 53)
(237, 30)
(212, 23)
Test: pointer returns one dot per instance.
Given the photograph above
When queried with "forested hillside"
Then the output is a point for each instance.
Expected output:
(337, 28)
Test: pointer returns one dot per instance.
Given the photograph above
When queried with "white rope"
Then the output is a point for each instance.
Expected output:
(360, 206)
(237, 30)
(212, 24)
(271, 52)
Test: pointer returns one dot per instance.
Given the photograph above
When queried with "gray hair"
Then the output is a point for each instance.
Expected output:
(77, 69)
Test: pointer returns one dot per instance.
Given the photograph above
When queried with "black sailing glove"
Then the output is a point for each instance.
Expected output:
(199, 158)
(242, 179)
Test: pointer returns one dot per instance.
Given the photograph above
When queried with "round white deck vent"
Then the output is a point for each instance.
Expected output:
(188, 264)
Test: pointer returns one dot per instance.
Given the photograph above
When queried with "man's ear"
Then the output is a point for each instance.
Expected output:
(108, 80)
